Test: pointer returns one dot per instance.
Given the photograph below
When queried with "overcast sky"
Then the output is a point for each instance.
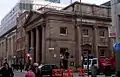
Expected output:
(7, 5)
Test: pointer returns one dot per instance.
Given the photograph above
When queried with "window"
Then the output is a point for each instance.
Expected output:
(118, 1)
(85, 31)
(63, 30)
(63, 50)
(25, 6)
(102, 33)
(94, 62)
(102, 52)
(46, 67)
(54, 1)
(64, 53)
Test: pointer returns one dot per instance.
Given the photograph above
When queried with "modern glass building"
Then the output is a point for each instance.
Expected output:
(9, 21)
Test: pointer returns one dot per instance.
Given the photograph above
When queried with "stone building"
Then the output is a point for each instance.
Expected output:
(50, 33)
(115, 11)
(8, 46)
(20, 38)
(2, 48)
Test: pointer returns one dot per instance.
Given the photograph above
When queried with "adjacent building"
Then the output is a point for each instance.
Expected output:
(112, 31)
(9, 22)
(115, 9)
(8, 47)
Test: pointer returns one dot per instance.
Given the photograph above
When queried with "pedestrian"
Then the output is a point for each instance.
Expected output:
(21, 66)
(30, 73)
(6, 71)
(94, 70)
(118, 74)
(36, 70)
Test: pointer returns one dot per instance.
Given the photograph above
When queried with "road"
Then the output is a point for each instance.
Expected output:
(22, 74)
(19, 74)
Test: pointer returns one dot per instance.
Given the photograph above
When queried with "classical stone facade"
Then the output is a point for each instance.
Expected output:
(8, 46)
(46, 34)
(20, 38)
(50, 33)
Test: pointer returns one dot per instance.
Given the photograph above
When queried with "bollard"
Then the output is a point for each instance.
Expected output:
(65, 73)
(81, 72)
(70, 72)
(57, 72)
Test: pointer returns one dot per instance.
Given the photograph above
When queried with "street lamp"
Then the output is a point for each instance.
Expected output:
(14, 58)
(30, 58)
(28, 55)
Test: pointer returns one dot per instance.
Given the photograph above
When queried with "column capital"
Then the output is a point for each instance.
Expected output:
(95, 26)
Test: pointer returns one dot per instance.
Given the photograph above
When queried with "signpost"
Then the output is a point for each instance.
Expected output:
(117, 49)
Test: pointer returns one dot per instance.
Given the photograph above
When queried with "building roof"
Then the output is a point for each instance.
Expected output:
(107, 3)
(84, 4)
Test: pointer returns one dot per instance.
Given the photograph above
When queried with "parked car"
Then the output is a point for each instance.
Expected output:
(46, 69)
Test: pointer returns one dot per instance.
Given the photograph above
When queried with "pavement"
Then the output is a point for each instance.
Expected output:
(76, 75)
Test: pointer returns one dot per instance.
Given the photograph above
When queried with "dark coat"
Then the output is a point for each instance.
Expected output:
(94, 71)
(37, 74)
(6, 72)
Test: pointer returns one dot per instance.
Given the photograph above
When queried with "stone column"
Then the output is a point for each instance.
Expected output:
(32, 45)
(79, 44)
(32, 39)
(96, 41)
(43, 45)
(37, 44)
(27, 44)
(78, 52)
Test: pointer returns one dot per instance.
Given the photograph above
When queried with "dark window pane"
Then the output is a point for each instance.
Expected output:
(63, 30)
(94, 62)
(85, 31)
(63, 50)
(102, 33)
(102, 52)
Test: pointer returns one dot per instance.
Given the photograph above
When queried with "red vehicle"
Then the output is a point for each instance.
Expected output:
(104, 65)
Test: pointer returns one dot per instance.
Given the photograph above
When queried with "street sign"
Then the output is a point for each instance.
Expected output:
(117, 47)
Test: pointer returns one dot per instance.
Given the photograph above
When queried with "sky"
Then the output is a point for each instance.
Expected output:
(7, 5)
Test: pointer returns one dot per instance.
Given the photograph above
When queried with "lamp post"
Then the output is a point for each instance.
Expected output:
(14, 58)
(29, 58)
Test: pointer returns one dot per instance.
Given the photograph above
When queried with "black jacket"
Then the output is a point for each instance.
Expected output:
(37, 74)
(6, 72)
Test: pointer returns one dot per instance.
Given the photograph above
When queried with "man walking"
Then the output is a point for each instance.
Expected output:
(94, 70)
(6, 71)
